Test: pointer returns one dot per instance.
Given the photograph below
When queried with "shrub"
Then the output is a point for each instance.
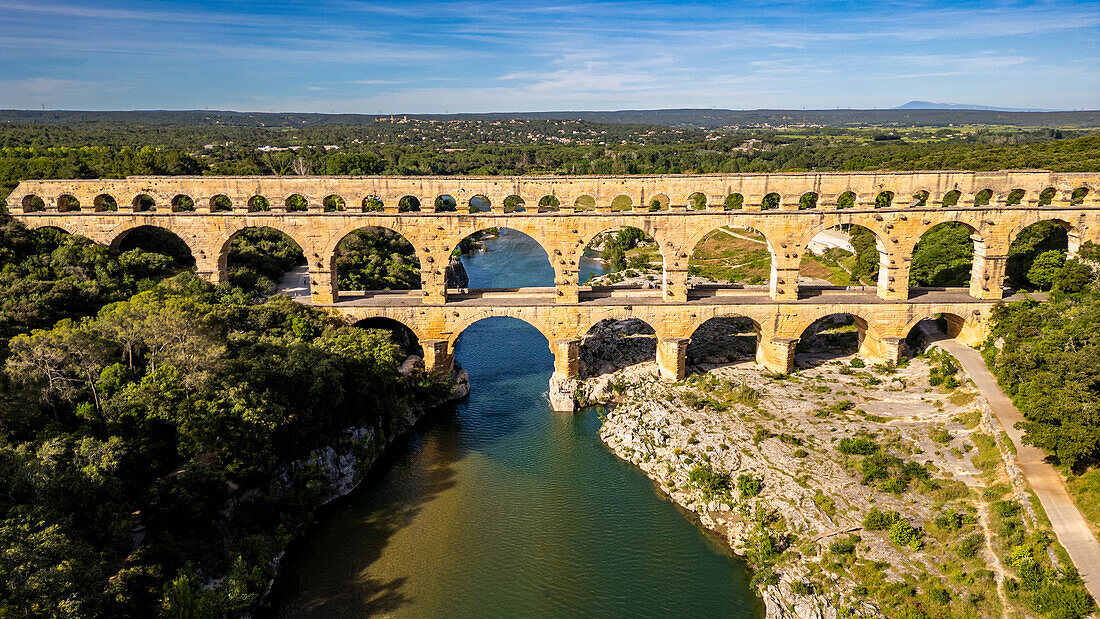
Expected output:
(969, 545)
(904, 534)
(877, 520)
(709, 481)
(748, 486)
(844, 545)
(857, 445)
(1006, 509)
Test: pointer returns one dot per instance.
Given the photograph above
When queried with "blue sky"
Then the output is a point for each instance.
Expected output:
(422, 57)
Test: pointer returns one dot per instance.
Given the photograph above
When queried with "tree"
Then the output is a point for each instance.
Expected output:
(1046, 268)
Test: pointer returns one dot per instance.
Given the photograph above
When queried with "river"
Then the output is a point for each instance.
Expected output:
(499, 507)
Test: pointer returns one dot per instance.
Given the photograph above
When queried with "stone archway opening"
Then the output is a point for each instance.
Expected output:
(334, 203)
(730, 256)
(943, 257)
(1038, 254)
(408, 204)
(843, 255)
(549, 204)
(659, 202)
(144, 203)
(616, 343)
(369, 204)
(104, 202)
(266, 261)
(624, 256)
(514, 204)
(584, 203)
(296, 203)
(446, 203)
(697, 202)
(33, 204)
(494, 258)
(156, 240)
(258, 204)
(398, 332)
(834, 338)
(183, 203)
(941, 326)
(621, 203)
(221, 204)
(723, 340)
(375, 259)
(67, 203)
(480, 204)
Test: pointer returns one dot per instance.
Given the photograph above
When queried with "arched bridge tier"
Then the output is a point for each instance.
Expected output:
(562, 213)
(882, 324)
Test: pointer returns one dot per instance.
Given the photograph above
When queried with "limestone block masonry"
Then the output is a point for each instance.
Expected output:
(563, 213)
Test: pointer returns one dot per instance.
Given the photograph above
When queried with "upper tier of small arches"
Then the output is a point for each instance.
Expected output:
(525, 195)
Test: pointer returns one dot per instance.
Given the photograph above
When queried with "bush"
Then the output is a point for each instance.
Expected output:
(877, 520)
(748, 486)
(904, 534)
(857, 445)
(969, 545)
(709, 481)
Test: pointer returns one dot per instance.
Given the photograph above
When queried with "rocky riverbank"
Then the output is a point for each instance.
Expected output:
(850, 490)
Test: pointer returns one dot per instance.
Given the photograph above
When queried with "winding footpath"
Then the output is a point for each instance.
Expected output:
(1069, 525)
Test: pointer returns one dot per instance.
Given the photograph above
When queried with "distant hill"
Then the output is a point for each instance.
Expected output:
(701, 118)
(928, 105)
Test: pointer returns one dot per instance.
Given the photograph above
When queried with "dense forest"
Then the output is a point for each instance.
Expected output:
(155, 429)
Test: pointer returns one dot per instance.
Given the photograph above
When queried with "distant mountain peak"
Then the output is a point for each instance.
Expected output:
(929, 105)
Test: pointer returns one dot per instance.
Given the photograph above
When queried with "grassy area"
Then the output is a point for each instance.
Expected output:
(1085, 490)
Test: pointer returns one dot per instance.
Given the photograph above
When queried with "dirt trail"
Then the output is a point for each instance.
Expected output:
(1069, 525)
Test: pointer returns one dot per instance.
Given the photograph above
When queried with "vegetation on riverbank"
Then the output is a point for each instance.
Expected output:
(151, 421)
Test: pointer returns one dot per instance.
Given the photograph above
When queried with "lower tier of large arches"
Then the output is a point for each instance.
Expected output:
(672, 335)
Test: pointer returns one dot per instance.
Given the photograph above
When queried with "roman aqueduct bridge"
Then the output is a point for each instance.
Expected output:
(563, 213)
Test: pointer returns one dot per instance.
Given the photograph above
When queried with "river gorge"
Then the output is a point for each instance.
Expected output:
(500, 507)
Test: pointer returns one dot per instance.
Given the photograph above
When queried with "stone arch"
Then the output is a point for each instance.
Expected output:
(224, 243)
(459, 326)
(67, 202)
(949, 272)
(480, 203)
(659, 202)
(968, 331)
(408, 204)
(514, 204)
(584, 203)
(334, 203)
(733, 202)
(723, 339)
(353, 260)
(846, 200)
(529, 235)
(549, 204)
(1015, 197)
(221, 203)
(104, 202)
(143, 202)
(370, 204)
(697, 201)
(614, 342)
(445, 203)
(861, 340)
(821, 244)
(633, 239)
(1023, 249)
(738, 244)
(33, 204)
(951, 198)
(983, 197)
(920, 198)
(296, 203)
(807, 201)
(771, 201)
(401, 333)
(1078, 195)
(182, 203)
(173, 244)
(258, 204)
(622, 202)
(885, 199)
(1046, 196)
